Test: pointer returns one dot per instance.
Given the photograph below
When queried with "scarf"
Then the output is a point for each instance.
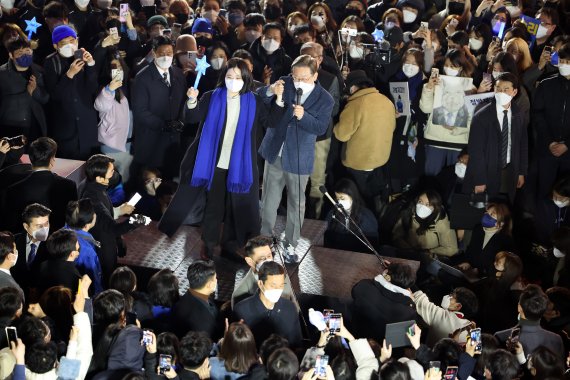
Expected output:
(414, 83)
(240, 177)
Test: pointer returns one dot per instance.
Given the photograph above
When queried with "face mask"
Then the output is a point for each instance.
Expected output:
(409, 16)
(235, 19)
(210, 15)
(117, 74)
(456, 8)
(204, 41)
(564, 69)
(270, 45)
(104, 4)
(475, 44)
(273, 295)
(389, 25)
(502, 98)
(41, 234)
(346, 204)
(496, 74)
(318, 21)
(272, 12)
(423, 211)
(306, 87)
(541, 32)
(251, 35)
(410, 70)
(234, 85)
(7, 4)
(217, 63)
(82, 3)
(460, 169)
(355, 52)
(450, 71)
(25, 60)
(487, 221)
(259, 264)
(445, 302)
(515, 12)
(67, 50)
(557, 253)
(181, 18)
(164, 62)
(561, 204)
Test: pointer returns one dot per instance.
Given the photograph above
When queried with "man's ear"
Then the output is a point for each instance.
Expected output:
(459, 306)
(249, 261)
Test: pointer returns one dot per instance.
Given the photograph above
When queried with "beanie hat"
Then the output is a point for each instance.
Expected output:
(185, 43)
(357, 78)
(202, 25)
(416, 4)
(61, 32)
(157, 19)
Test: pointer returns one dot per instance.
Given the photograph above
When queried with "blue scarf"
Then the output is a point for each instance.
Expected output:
(414, 83)
(240, 176)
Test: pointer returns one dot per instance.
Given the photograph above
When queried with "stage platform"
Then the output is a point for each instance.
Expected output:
(324, 271)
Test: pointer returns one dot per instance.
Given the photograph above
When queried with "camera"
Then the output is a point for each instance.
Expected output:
(380, 53)
(20, 140)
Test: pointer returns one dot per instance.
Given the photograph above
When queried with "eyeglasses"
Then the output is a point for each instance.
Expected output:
(305, 79)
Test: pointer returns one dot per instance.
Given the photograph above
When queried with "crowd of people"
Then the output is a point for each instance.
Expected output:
(440, 127)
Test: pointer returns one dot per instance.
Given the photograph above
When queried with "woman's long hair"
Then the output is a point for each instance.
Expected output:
(57, 304)
(124, 280)
(163, 288)
(105, 73)
(238, 349)
(246, 75)
(410, 214)
(348, 187)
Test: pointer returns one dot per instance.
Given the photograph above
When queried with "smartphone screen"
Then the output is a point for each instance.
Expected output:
(223, 13)
(450, 373)
(11, 335)
(434, 72)
(78, 54)
(435, 365)
(475, 336)
(515, 334)
(146, 338)
(334, 322)
(321, 365)
(164, 363)
(123, 10)
(327, 313)
(488, 77)
(114, 32)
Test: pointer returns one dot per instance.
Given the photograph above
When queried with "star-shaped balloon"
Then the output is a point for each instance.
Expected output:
(32, 27)
(201, 66)
(378, 34)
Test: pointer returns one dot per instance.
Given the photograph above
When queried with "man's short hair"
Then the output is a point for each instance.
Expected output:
(560, 298)
(41, 357)
(283, 365)
(533, 302)
(108, 307)
(243, 54)
(199, 273)
(17, 44)
(34, 210)
(10, 302)
(468, 301)
(509, 77)
(253, 20)
(275, 26)
(56, 10)
(503, 365)
(551, 13)
(6, 245)
(305, 60)
(302, 29)
(312, 46)
(41, 151)
(564, 51)
(159, 41)
(270, 268)
(401, 275)
(61, 243)
(32, 330)
(270, 345)
(256, 242)
(195, 347)
(79, 213)
(97, 166)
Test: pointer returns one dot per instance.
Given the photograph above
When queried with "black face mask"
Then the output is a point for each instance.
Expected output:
(272, 12)
(181, 18)
(204, 41)
(351, 12)
(114, 180)
(456, 8)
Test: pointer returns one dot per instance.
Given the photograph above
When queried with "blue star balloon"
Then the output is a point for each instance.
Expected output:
(32, 27)
(201, 66)
(378, 34)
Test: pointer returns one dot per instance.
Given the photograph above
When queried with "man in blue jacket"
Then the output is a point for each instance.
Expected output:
(288, 147)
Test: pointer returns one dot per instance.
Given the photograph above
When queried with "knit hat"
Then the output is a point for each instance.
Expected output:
(185, 43)
(356, 78)
(61, 32)
(157, 19)
(202, 25)
(416, 4)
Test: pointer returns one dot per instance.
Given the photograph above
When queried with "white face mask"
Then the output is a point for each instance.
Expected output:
(475, 44)
(355, 52)
(251, 35)
(259, 264)
(270, 45)
(234, 85)
(460, 169)
(445, 302)
(558, 253)
(7, 4)
(502, 98)
(346, 204)
(67, 50)
(410, 70)
(306, 87)
(210, 15)
(16, 255)
(497, 73)
(318, 21)
(273, 295)
(217, 63)
(409, 16)
(423, 211)
(82, 3)
(389, 25)
(164, 62)
(564, 69)
(450, 71)
(561, 204)
(41, 234)
(117, 74)
(541, 32)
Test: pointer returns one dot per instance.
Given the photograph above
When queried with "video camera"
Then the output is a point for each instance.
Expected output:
(380, 53)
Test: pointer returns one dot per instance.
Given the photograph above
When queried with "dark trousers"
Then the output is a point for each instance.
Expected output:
(550, 168)
(371, 184)
(218, 210)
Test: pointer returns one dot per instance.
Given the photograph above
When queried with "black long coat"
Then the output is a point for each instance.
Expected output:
(187, 206)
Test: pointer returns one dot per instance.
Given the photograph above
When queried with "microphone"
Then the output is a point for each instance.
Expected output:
(337, 205)
(299, 93)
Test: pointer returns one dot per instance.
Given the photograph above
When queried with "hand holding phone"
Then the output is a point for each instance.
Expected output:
(146, 338)
(11, 335)
(334, 322)
(123, 11)
(164, 363)
(321, 365)
(475, 335)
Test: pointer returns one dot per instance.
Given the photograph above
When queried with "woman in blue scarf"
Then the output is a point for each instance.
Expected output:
(219, 182)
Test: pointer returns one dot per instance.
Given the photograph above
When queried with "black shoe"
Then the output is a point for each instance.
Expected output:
(232, 256)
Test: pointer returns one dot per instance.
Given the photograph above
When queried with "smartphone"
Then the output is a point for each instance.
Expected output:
(424, 25)
(496, 40)
(435, 365)
(451, 373)
(411, 330)
(123, 11)
(334, 322)
(167, 32)
(434, 72)
(16, 141)
(488, 77)
(475, 335)
(131, 318)
(114, 32)
(135, 199)
(78, 54)
(164, 363)
(176, 28)
(193, 56)
(223, 13)
(327, 313)
(321, 365)
(11, 335)
(548, 49)
(146, 338)
(515, 334)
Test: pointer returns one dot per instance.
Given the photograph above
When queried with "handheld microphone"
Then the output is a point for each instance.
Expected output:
(299, 93)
